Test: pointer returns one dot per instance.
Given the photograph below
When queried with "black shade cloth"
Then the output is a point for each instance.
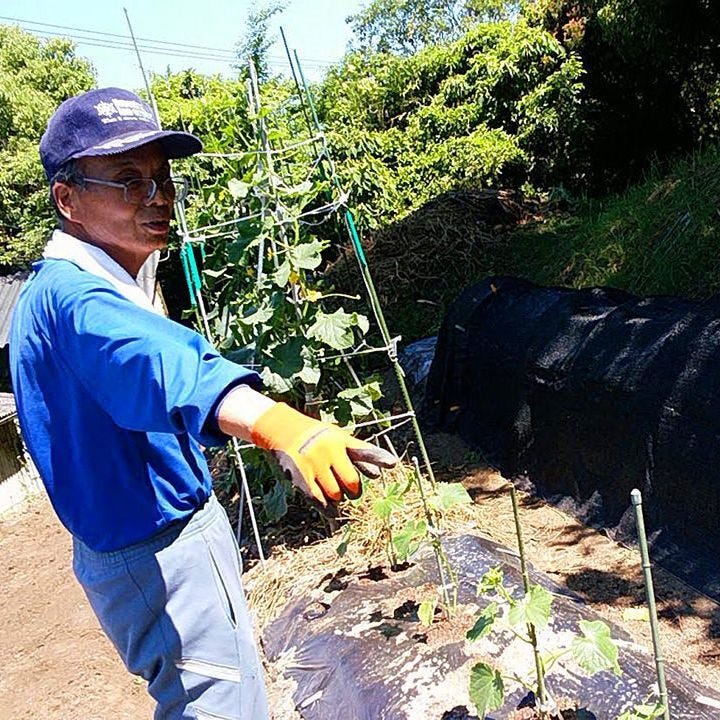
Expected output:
(589, 394)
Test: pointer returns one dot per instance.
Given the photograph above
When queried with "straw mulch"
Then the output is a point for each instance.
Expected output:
(293, 572)
(428, 255)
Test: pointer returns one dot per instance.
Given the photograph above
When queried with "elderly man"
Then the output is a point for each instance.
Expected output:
(115, 401)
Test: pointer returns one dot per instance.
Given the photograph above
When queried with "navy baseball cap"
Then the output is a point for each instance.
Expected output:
(106, 121)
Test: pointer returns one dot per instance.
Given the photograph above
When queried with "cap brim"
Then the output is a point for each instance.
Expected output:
(175, 144)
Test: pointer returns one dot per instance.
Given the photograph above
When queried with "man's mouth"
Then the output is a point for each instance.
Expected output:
(158, 225)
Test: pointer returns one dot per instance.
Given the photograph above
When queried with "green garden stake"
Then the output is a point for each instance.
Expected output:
(539, 665)
(375, 305)
(186, 273)
(636, 499)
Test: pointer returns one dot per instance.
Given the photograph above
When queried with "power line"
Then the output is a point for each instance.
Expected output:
(128, 46)
(112, 35)
(98, 38)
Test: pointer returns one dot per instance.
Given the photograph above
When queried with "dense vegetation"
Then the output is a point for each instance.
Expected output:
(556, 98)
(35, 77)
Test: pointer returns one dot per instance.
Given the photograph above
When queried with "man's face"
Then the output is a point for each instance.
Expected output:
(127, 231)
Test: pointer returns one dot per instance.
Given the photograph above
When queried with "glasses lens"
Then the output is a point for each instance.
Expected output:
(176, 188)
(139, 190)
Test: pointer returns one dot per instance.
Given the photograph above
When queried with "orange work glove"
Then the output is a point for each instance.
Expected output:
(323, 460)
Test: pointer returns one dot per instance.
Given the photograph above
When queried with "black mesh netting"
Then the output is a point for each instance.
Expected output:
(589, 394)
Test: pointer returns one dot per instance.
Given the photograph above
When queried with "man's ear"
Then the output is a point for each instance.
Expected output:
(65, 197)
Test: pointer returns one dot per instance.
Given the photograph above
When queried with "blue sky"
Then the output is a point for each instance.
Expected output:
(315, 28)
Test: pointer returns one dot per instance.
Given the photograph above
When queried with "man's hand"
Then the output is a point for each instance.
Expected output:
(322, 459)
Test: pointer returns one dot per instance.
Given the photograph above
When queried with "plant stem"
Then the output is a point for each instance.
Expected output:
(539, 669)
(440, 558)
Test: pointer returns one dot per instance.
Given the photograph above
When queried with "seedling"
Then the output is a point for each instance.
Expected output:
(525, 616)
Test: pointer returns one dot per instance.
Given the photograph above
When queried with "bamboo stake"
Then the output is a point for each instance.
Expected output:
(636, 499)
(539, 667)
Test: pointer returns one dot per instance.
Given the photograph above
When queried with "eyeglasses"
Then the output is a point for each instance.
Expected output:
(143, 190)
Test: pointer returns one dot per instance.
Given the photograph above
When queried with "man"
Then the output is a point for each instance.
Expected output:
(115, 400)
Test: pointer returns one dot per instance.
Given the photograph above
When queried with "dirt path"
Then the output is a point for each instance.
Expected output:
(56, 662)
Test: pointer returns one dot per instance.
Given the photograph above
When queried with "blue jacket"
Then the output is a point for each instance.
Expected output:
(113, 401)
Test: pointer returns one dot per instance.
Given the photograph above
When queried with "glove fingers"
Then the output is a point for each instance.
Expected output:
(347, 476)
(328, 484)
(302, 476)
(371, 454)
(367, 469)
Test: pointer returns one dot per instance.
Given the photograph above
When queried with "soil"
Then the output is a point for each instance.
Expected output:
(58, 665)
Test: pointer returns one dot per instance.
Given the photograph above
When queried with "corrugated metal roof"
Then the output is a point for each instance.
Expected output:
(10, 286)
(7, 406)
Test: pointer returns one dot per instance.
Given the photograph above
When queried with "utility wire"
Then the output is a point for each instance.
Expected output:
(98, 38)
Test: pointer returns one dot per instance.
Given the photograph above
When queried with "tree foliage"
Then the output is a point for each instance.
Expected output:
(35, 77)
(653, 76)
(255, 42)
(404, 27)
(500, 106)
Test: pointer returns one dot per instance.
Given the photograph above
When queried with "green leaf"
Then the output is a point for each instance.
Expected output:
(275, 502)
(449, 494)
(490, 581)
(275, 383)
(487, 691)
(483, 624)
(310, 374)
(636, 614)
(287, 357)
(643, 712)
(238, 189)
(256, 316)
(426, 612)
(307, 255)
(407, 541)
(345, 542)
(362, 322)
(595, 650)
(533, 608)
(334, 329)
(362, 398)
(392, 500)
(282, 274)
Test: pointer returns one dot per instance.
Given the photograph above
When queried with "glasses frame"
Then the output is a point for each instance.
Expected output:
(179, 183)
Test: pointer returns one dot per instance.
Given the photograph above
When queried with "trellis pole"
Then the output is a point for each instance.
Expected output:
(192, 277)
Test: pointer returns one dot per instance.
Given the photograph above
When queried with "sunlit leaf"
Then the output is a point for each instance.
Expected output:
(333, 329)
(407, 541)
(282, 274)
(450, 494)
(595, 650)
(238, 189)
(487, 690)
(636, 614)
(257, 315)
(390, 501)
(490, 581)
(306, 255)
(274, 382)
(533, 608)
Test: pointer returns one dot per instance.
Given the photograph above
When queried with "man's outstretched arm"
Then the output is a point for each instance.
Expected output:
(323, 460)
